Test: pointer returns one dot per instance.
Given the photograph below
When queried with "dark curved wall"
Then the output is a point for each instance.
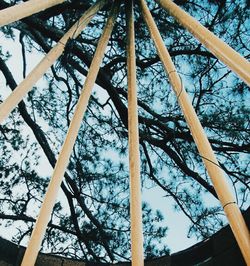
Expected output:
(219, 250)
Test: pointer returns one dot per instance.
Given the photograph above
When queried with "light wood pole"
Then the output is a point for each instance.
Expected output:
(215, 172)
(26, 85)
(134, 152)
(25, 9)
(63, 159)
(220, 49)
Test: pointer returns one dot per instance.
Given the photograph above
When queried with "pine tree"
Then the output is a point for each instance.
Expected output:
(90, 221)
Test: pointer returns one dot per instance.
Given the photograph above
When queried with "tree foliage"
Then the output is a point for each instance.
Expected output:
(91, 219)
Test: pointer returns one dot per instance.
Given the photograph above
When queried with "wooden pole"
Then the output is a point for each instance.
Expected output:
(26, 85)
(63, 159)
(134, 151)
(220, 49)
(215, 172)
(25, 9)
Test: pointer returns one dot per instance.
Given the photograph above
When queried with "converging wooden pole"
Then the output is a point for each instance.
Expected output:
(63, 159)
(215, 172)
(26, 85)
(25, 9)
(134, 151)
(220, 49)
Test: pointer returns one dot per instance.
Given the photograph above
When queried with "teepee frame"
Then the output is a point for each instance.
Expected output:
(220, 49)
(25, 9)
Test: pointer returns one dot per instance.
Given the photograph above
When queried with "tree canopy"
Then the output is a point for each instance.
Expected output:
(91, 220)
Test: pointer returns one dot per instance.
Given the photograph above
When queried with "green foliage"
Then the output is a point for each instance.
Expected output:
(90, 221)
